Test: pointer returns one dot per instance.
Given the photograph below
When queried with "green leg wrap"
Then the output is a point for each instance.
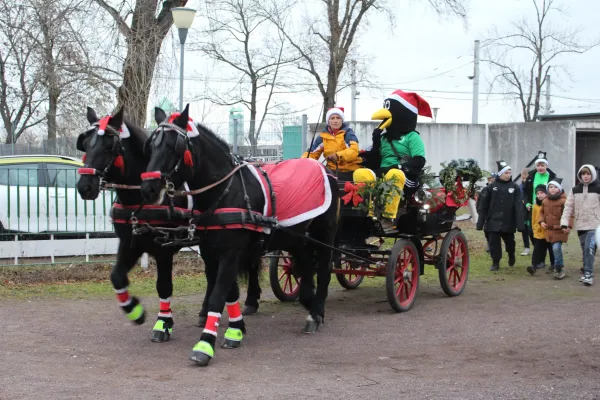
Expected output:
(136, 313)
(204, 347)
(160, 326)
(234, 334)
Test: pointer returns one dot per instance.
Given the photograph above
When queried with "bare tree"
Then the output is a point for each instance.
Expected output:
(21, 94)
(327, 39)
(241, 38)
(539, 44)
(144, 36)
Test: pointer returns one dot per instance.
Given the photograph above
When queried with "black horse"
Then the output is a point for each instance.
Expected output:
(114, 156)
(229, 194)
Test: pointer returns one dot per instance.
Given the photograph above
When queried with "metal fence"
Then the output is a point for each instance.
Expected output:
(64, 146)
(236, 132)
(40, 199)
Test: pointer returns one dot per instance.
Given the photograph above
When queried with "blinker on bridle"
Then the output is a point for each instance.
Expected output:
(116, 158)
(181, 149)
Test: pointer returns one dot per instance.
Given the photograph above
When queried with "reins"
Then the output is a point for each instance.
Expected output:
(212, 185)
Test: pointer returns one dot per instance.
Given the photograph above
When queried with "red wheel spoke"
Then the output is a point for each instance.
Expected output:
(406, 291)
(399, 290)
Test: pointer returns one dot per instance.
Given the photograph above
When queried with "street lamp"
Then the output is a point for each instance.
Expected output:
(183, 18)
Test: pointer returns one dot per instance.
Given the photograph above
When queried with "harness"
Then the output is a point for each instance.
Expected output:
(214, 218)
(103, 183)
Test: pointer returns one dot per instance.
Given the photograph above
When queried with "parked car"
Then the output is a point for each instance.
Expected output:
(38, 194)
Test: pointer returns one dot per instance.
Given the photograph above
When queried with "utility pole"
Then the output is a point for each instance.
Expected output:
(475, 77)
(548, 85)
(353, 89)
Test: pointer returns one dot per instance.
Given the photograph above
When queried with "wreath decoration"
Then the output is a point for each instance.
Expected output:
(455, 172)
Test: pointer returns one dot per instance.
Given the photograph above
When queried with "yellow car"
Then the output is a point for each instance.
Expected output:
(38, 194)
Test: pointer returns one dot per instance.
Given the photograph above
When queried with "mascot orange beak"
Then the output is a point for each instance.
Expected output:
(382, 114)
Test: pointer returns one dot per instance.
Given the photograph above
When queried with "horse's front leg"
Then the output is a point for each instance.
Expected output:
(126, 260)
(236, 328)
(211, 266)
(204, 350)
(163, 328)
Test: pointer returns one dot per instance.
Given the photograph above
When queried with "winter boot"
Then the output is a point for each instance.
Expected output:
(511, 260)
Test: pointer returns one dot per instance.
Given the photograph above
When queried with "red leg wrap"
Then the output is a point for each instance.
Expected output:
(165, 308)
(233, 309)
(123, 297)
(212, 323)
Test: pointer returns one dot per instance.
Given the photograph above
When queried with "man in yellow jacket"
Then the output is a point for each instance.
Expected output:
(338, 144)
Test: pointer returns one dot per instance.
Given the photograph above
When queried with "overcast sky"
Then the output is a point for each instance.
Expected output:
(424, 44)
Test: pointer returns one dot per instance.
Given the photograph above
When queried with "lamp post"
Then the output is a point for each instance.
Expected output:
(182, 18)
(435, 111)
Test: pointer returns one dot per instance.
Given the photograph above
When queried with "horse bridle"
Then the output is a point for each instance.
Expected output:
(117, 152)
(182, 145)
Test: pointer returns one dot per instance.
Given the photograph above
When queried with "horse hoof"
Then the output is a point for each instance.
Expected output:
(231, 344)
(201, 321)
(200, 358)
(312, 326)
(202, 353)
(233, 338)
(160, 337)
(141, 319)
(249, 310)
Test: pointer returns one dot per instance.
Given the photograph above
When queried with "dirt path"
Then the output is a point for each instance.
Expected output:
(497, 340)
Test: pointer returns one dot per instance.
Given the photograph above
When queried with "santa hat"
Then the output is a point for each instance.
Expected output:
(412, 102)
(541, 158)
(502, 167)
(335, 110)
(556, 182)
(103, 124)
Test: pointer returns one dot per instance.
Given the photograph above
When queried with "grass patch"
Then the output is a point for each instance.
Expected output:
(91, 281)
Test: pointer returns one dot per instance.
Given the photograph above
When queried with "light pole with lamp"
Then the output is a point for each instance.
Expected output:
(182, 18)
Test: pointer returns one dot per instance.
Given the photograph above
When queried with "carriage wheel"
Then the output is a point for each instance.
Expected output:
(403, 271)
(349, 280)
(453, 267)
(285, 285)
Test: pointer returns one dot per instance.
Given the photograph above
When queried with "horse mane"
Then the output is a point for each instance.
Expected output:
(212, 137)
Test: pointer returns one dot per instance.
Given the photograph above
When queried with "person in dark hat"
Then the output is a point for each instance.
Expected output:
(501, 211)
(481, 195)
(540, 175)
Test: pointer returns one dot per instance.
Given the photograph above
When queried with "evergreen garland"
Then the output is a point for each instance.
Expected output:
(465, 170)
(380, 192)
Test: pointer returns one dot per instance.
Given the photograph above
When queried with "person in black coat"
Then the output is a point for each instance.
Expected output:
(501, 211)
(490, 180)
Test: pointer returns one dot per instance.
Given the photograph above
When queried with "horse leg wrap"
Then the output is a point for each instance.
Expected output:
(131, 306)
(202, 353)
(212, 323)
(163, 328)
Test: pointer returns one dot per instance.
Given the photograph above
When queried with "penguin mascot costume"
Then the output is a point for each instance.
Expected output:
(398, 150)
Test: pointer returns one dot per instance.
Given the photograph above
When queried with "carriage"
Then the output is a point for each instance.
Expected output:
(426, 235)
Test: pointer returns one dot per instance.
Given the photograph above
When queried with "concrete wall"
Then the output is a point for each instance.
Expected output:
(568, 143)
(443, 142)
(519, 143)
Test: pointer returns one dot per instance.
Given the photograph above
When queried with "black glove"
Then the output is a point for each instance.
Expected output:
(377, 138)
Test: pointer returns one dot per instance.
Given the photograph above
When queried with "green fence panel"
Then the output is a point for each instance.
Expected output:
(292, 141)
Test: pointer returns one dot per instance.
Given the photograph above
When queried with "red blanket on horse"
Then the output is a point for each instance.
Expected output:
(301, 188)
